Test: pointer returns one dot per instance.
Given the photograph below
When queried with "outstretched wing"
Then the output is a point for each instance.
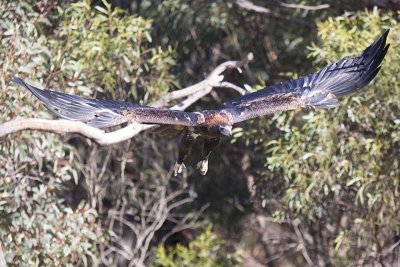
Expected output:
(318, 90)
(107, 113)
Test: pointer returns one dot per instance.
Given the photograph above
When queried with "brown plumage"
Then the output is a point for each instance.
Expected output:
(318, 90)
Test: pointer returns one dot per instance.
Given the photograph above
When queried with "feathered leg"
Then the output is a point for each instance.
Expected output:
(208, 147)
(184, 149)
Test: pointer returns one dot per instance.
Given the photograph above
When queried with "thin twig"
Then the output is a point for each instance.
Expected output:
(248, 5)
(238, 89)
(302, 245)
(183, 224)
(390, 249)
(3, 262)
(305, 7)
(214, 79)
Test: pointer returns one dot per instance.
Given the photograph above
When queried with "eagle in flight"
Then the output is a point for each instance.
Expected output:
(317, 90)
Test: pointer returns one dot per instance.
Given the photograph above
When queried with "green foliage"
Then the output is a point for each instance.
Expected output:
(335, 173)
(206, 32)
(80, 47)
(107, 49)
(37, 228)
(341, 164)
(207, 250)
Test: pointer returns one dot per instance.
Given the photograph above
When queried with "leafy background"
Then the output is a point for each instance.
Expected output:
(297, 188)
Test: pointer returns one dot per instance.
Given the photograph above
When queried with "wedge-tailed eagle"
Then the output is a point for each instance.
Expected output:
(318, 90)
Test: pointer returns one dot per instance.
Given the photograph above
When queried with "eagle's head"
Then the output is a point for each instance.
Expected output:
(224, 129)
(217, 123)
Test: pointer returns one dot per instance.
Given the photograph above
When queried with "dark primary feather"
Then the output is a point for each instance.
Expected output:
(318, 90)
(97, 113)
(106, 113)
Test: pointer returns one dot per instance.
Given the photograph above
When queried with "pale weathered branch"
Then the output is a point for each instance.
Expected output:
(238, 89)
(302, 245)
(305, 7)
(155, 209)
(3, 262)
(248, 5)
(192, 93)
(389, 4)
(214, 79)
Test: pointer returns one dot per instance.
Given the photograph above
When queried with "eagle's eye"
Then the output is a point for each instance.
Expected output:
(225, 130)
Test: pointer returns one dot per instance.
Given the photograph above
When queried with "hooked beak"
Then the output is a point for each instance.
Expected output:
(225, 130)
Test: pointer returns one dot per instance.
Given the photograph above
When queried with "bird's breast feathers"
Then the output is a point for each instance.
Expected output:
(213, 118)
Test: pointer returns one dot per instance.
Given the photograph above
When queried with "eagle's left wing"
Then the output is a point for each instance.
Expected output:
(317, 90)
(106, 113)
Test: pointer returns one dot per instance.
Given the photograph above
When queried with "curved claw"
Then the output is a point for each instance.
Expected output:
(202, 166)
(178, 168)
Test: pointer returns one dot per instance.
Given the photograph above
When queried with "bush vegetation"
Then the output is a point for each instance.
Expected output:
(303, 187)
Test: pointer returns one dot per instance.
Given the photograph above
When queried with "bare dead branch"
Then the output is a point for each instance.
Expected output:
(291, 247)
(389, 4)
(302, 245)
(232, 86)
(389, 250)
(248, 5)
(214, 79)
(192, 93)
(187, 222)
(155, 209)
(305, 7)
(3, 262)
(251, 6)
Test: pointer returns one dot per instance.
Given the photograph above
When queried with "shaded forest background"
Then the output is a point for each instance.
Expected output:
(318, 188)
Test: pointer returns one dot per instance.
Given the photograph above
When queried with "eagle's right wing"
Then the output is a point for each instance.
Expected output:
(106, 113)
(317, 90)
